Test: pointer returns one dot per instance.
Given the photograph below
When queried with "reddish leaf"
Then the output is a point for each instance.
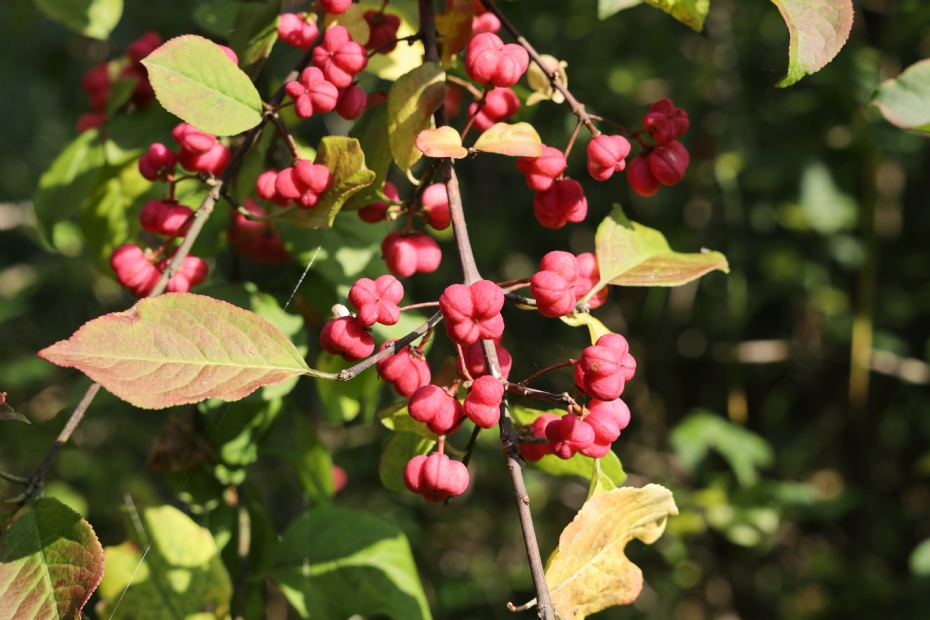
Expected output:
(818, 29)
(441, 142)
(180, 348)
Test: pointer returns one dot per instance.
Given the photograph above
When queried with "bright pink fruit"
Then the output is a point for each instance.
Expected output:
(255, 240)
(499, 104)
(487, 22)
(212, 162)
(157, 161)
(607, 154)
(231, 55)
(335, 6)
(383, 29)
(376, 211)
(668, 162)
(407, 254)
(532, 452)
(542, 171)
(482, 405)
(165, 218)
(296, 32)
(376, 300)
(562, 203)
(344, 336)
(406, 371)
(602, 373)
(588, 276)
(351, 103)
(192, 139)
(568, 435)
(193, 271)
(435, 202)
(473, 312)
(312, 93)
(553, 293)
(311, 177)
(435, 477)
(475, 363)
(440, 412)
(641, 179)
(666, 122)
(339, 57)
(489, 61)
(265, 188)
(133, 270)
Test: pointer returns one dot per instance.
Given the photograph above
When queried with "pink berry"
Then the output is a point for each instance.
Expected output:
(376, 300)
(440, 412)
(553, 294)
(542, 171)
(143, 46)
(339, 57)
(563, 263)
(668, 162)
(532, 452)
(568, 435)
(489, 61)
(165, 218)
(482, 405)
(607, 154)
(564, 202)
(231, 55)
(475, 364)
(406, 371)
(255, 240)
(588, 276)
(96, 83)
(133, 270)
(619, 345)
(641, 179)
(605, 367)
(435, 202)
(312, 93)
(376, 211)
(407, 254)
(383, 29)
(351, 103)
(666, 122)
(265, 188)
(296, 32)
(435, 477)
(193, 140)
(193, 271)
(487, 22)
(212, 162)
(157, 161)
(335, 6)
(473, 312)
(500, 104)
(344, 336)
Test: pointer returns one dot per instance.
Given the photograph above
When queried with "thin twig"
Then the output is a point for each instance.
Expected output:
(387, 351)
(408, 39)
(464, 84)
(425, 304)
(13, 477)
(478, 108)
(550, 397)
(281, 128)
(545, 370)
(519, 299)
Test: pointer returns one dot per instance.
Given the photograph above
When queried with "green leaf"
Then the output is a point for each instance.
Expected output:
(397, 418)
(180, 348)
(129, 136)
(703, 431)
(103, 221)
(689, 12)
(343, 401)
(50, 563)
(181, 575)
(92, 18)
(919, 560)
(402, 447)
(441, 142)
(905, 100)
(824, 207)
(372, 133)
(630, 254)
(313, 462)
(578, 465)
(517, 140)
(194, 80)
(595, 327)
(606, 8)
(63, 187)
(252, 166)
(217, 17)
(411, 102)
(120, 93)
(254, 32)
(335, 562)
(345, 159)
(601, 482)
(818, 30)
(245, 423)
(7, 414)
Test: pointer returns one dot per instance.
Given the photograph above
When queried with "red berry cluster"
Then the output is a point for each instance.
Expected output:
(562, 280)
(303, 184)
(435, 477)
(666, 162)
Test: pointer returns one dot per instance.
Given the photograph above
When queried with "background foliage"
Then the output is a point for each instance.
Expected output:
(795, 502)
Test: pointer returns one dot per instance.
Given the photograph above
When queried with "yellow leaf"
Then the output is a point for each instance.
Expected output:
(539, 81)
(405, 57)
(595, 327)
(353, 20)
(454, 28)
(589, 571)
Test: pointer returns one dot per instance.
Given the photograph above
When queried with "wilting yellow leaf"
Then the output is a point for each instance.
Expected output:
(589, 571)
(454, 30)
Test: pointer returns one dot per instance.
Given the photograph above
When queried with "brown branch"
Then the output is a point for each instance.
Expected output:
(548, 369)
(471, 274)
(550, 397)
(387, 351)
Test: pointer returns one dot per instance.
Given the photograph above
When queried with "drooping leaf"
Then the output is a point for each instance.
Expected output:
(336, 562)
(905, 100)
(606, 8)
(539, 81)
(595, 327)
(517, 140)
(630, 254)
(441, 142)
(50, 564)
(401, 447)
(180, 348)
(343, 401)
(181, 575)
(411, 102)
(372, 134)
(689, 12)
(92, 18)
(703, 431)
(397, 418)
(353, 20)
(254, 33)
(63, 187)
(589, 571)
(7, 414)
(818, 30)
(455, 26)
(345, 159)
(194, 80)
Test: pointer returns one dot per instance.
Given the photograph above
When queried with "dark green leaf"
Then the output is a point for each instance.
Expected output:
(217, 16)
(345, 400)
(92, 18)
(254, 32)
(372, 133)
(103, 221)
(313, 462)
(120, 94)
(402, 447)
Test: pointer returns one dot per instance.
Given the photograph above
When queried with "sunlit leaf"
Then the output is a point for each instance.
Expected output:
(104, 221)
(412, 100)
(539, 80)
(336, 562)
(595, 327)
(397, 418)
(606, 8)
(372, 134)
(180, 576)
(818, 30)
(517, 140)
(402, 447)
(194, 80)
(689, 12)
(455, 26)
(919, 560)
(441, 142)
(403, 58)
(50, 563)
(180, 348)
(589, 571)
(92, 18)
(905, 100)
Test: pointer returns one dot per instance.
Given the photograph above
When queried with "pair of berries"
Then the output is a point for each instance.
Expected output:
(499, 104)
(482, 405)
(607, 154)
(135, 272)
(435, 477)
(406, 370)
(473, 360)
(663, 165)
(562, 280)
(472, 313)
(541, 172)
(376, 302)
(338, 57)
(382, 30)
(489, 61)
(296, 31)
(255, 239)
(592, 436)
(303, 183)
(166, 217)
(442, 413)
(158, 162)
(562, 203)
(200, 151)
(410, 253)
(605, 367)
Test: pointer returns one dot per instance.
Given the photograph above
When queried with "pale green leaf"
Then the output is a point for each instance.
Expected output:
(703, 431)
(194, 80)
(595, 328)
(517, 140)
(92, 18)
(818, 31)
(402, 447)
(905, 100)
(919, 560)
(254, 33)
(606, 8)
(689, 12)
(50, 563)
(412, 100)
(397, 418)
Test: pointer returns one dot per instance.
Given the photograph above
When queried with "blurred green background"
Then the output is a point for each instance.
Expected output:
(797, 500)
